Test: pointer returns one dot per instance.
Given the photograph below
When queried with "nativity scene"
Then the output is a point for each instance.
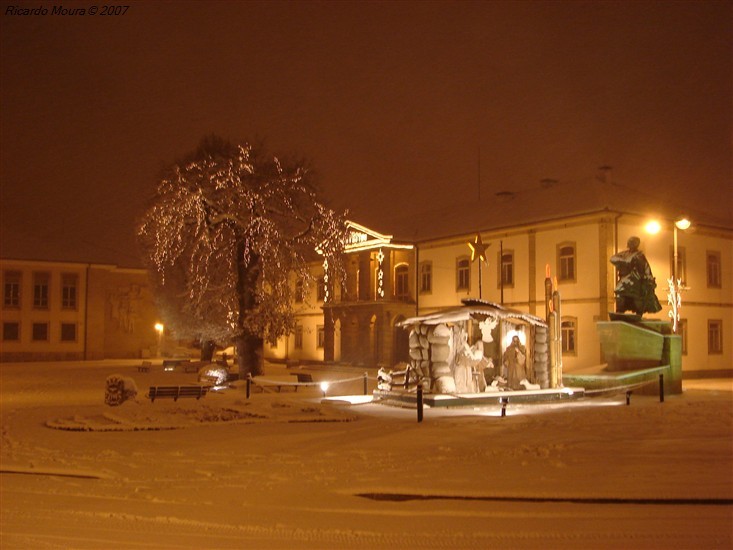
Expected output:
(479, 347)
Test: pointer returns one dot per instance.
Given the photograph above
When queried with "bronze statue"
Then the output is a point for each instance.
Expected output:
(635, 288)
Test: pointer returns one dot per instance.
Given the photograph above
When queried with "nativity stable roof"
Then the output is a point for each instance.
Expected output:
(469, 308)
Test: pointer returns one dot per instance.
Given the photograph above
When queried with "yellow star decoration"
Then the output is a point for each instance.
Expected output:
(478, 249)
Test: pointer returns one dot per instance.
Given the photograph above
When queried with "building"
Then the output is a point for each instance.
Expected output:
(74, 311)
(54, 310)
(568, 230)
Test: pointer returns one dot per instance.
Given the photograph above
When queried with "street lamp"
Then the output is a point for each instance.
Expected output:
(674, 292)
(159, 329)
(683, 224)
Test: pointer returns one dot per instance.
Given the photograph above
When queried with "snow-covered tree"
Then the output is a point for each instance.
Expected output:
(228, 232)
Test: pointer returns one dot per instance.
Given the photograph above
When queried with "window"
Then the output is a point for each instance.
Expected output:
(299, 291)
(401, 282)
(569, 335)
(299, 337)
(463, 274)
(321, 290)
(68, 332)
(426, 277)
(682, 333)
(40, 332)
(506, 268)
(11, 289)
(69, 283)
(320, 337)
(566, 262)
(40, 290)
(681, 263)
(11, 332)
(713, 269)
(715, 336)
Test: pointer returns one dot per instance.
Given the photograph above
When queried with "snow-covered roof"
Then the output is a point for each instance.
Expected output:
(548, 202)
(469, 308)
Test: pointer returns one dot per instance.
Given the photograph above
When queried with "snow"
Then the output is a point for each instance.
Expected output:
(286, 470)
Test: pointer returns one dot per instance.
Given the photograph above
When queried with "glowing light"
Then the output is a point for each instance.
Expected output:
(511, 334)
(159, 327)
(326, 294)
(362, 238)
(380, 274)
(356, 237)
(653, 227)
(674, 299)
(683, 223)
(324, 388)
(478, 249)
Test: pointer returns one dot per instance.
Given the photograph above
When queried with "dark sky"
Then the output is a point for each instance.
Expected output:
(387, 99)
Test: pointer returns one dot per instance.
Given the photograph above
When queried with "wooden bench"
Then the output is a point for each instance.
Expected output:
(303, 378)
(275, 382)
(145, 367)
(160, 392)
(191, 366)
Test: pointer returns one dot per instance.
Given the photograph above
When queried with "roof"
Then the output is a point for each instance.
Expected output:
(550, 201)
(469, 308)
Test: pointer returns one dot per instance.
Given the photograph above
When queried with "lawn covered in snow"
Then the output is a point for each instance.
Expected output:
(284, 470)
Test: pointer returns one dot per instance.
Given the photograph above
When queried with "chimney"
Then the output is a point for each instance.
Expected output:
(504, 196)
(605, 173)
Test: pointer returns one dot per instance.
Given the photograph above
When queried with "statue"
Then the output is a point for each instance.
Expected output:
(515, 361)
(635, 288)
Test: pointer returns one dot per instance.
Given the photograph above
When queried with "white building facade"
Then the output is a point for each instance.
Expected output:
(358, 326)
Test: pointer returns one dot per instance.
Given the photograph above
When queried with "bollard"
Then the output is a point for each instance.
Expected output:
(249, 385)
(366, 390)
(503, 402)
(661, 388)
(628, 397)
(419, 403)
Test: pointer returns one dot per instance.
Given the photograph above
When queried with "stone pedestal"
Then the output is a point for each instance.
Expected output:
(628, 347)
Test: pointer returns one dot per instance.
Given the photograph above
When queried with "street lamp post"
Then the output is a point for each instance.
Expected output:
(674, 292)
(159, 329)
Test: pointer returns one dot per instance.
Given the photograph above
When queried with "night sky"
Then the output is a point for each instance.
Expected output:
(387, 99)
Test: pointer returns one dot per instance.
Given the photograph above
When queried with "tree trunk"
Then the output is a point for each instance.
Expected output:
(249, 346)
(207, 350)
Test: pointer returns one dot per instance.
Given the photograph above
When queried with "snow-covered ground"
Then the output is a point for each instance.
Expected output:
(286, 471)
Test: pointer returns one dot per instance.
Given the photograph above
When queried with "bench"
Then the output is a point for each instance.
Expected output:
(160, 392)
(275, 382)
(303, 378)
(191, 366)
(145, 367)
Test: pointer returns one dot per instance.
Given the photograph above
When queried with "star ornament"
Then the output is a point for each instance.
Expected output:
(478, 249)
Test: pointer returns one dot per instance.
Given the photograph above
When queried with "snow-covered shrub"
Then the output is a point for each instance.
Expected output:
(119, 389)
(213, 374)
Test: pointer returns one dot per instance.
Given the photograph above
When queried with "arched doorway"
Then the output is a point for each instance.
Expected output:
(401, 341)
